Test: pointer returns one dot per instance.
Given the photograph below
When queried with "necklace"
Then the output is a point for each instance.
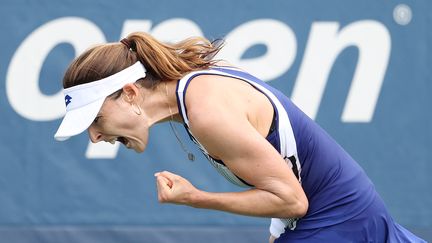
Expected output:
(190, 155)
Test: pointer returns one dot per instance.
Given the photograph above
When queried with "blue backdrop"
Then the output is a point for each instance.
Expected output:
(361, 69)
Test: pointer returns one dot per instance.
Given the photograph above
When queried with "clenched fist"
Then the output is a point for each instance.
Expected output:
(173, 188)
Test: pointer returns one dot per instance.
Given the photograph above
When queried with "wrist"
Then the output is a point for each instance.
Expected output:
(198, 199)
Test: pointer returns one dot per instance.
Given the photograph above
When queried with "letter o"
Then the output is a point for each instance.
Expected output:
(22, 79)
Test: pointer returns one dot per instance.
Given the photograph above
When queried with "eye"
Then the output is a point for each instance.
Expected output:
(96, 119)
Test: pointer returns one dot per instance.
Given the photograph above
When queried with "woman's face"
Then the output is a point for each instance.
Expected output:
(118, 120)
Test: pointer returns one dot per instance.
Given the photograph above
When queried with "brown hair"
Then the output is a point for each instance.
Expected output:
(164, 62)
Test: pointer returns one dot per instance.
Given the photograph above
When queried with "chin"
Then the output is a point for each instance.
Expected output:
(139, 149)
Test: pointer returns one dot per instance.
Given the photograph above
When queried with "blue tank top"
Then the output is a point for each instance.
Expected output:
(335, 185)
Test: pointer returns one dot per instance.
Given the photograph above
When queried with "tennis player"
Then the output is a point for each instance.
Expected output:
(293, 171)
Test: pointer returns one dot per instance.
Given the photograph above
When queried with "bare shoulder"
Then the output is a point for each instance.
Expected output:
(212, 105)
(209, 96)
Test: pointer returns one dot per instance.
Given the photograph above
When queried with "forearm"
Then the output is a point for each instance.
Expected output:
(253, 202)
(278, 200)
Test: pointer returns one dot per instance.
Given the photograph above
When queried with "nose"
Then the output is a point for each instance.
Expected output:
(94, 135)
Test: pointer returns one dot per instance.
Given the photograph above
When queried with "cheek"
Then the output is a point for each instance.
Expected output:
(132, 123)
(123, 118)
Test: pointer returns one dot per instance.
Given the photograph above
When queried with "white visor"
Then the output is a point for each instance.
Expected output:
(84, 101)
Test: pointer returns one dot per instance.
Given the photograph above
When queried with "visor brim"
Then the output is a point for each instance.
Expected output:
(78, 120)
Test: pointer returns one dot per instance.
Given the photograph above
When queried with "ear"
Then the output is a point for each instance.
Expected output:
(130, 92)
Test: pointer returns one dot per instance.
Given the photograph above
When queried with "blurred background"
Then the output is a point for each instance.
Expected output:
(361, 69)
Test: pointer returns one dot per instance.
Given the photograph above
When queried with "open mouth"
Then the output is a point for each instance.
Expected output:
(122, 140)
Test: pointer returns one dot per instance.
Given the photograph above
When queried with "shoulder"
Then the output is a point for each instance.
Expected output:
(208, 95)
(212, 107)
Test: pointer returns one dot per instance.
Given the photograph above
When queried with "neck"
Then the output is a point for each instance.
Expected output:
(161, 103)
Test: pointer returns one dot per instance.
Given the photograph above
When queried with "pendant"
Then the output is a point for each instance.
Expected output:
(191, 157)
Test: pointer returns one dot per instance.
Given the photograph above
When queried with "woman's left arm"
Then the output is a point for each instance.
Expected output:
(220, 120)
(232, 138)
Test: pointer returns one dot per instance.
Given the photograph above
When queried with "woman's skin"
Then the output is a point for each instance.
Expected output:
(231, 119)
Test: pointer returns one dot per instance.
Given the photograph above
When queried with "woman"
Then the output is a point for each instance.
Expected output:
(251, 133)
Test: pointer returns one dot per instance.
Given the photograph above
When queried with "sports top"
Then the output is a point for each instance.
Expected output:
(335, 185)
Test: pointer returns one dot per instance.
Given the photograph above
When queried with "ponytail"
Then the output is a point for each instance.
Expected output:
(172, 61)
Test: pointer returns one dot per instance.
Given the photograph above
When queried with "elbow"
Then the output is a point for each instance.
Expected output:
(291, 203)
(296, 208)
(301, 209)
